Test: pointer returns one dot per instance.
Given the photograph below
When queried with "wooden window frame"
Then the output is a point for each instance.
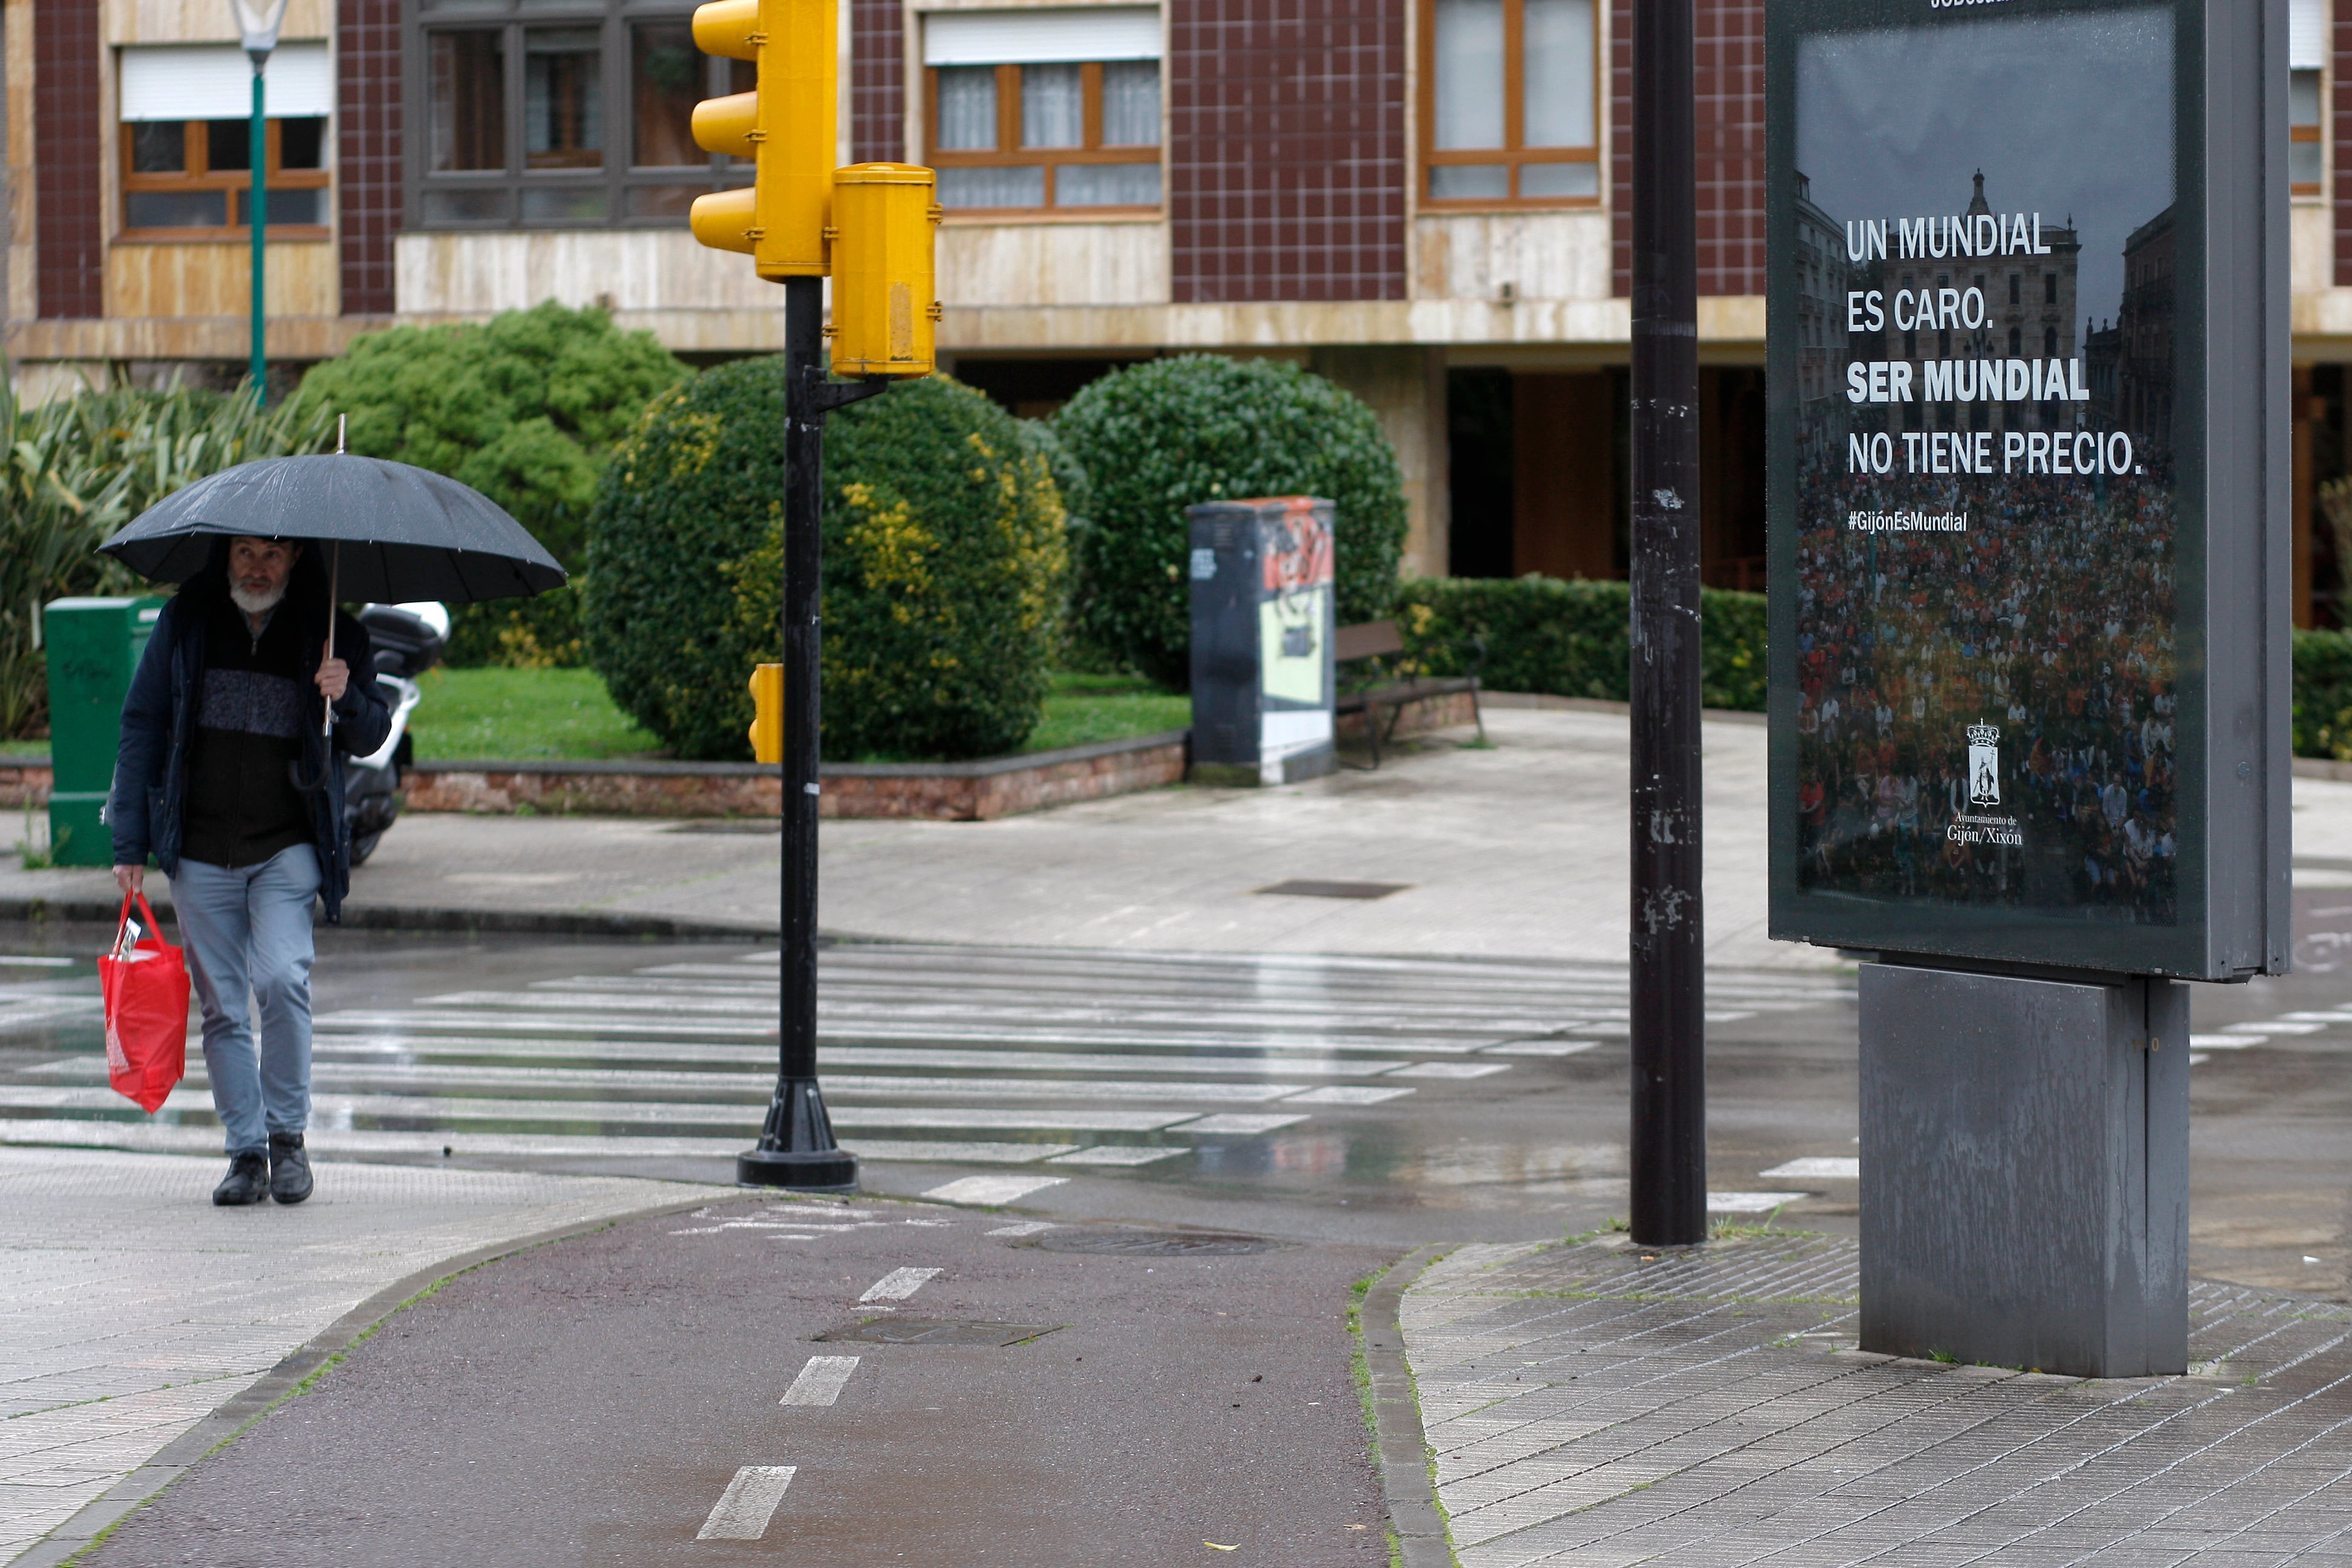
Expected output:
(1514, 153)
(617, 176)
(2315, 132)
(198, 144)
(1009, 153)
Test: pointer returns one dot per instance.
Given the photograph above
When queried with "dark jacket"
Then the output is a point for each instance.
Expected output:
(159, 728)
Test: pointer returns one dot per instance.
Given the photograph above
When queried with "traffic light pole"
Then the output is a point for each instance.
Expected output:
(1669, 977)
(796, 1147)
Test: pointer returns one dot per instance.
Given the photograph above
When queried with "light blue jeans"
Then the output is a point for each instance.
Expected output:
(249, 930)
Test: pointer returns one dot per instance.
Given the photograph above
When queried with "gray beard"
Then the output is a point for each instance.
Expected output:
(256, 604)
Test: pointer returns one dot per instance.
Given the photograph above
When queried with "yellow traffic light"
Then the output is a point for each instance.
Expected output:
(786, 126)
(766, 729)
(884, 303)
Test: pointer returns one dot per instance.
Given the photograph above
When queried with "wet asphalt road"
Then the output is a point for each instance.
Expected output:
(588, 1401)
(1534, 1151)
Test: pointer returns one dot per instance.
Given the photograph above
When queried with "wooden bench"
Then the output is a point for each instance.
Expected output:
(1377, 639)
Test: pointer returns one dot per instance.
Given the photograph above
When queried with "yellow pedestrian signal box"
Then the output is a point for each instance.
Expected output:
(786, 126)
(885, 306)
(767, 712)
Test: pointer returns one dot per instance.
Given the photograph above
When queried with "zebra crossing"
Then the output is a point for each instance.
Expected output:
(990, 1056)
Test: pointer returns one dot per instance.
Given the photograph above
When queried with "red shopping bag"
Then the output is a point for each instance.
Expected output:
(146, 987)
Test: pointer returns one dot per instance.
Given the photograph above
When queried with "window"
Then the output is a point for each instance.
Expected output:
(193, 179)
(2014, 280)
(2307, 30)
(1044, 110)
(1508, 101)
(186, 125)
(579, 116)
(2304, 148)
(2049, 288)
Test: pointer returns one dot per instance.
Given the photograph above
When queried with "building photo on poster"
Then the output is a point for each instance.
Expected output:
(1984, 590)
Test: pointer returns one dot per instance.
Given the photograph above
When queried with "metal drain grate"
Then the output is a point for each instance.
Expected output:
(938, 1332)
(1310, 888)
(1151, 1243)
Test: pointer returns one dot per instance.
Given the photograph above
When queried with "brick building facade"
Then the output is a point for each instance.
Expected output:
(1425, 200)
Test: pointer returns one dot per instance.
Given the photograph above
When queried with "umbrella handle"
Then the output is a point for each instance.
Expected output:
(334, 572)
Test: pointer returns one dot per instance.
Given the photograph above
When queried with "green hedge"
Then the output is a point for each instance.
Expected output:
(944, 564)
(1171, 433)
(1571, 639)
(525, 408)
(2323, 695)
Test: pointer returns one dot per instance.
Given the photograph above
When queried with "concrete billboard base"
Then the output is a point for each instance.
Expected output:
(2025, 1171)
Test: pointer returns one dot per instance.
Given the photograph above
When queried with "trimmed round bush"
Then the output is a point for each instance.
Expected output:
(525, 408)
(1172, 433)
(944, 568)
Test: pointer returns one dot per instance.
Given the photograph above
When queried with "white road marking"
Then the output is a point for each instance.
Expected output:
(329, 1108)
(1042, 1120)
(1026, 1227)
(1819, 1167)
(2196, 1056)
(1451, 1069)
(163, 1138)
(821, 1381)
(333, 1074)
(1274, 1039)
(1540, 1048)
(1117, 1154)
(897, 1285)
(406, 1045)
(750, 1501)
(2273, 1027)
(991, 1191)
(31, 962)
(1344, 1094)
(2223, 1042)
(1749, 1203)
(1227, 1121)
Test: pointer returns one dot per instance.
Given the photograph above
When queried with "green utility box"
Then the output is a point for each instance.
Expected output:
(93, 645)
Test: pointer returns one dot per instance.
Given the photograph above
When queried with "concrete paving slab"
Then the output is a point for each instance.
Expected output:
(135, 1308)
(1519, 851)
(1597, 1402)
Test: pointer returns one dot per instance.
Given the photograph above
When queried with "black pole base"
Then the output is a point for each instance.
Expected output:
(796, 1148)
(803, 1170)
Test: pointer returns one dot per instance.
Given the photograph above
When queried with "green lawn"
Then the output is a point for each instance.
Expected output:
(1084, 708)
(519, 714)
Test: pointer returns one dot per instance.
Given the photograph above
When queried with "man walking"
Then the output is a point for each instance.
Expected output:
(225, 777)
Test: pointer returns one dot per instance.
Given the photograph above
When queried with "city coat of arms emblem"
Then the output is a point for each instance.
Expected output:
(1984, 764)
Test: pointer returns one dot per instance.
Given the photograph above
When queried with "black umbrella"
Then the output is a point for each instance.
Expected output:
(393, 533)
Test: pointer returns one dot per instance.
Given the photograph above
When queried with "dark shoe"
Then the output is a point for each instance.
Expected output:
(247, 1181)
(289, 1168)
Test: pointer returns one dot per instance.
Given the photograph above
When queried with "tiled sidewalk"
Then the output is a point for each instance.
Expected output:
(132, 1307)
(1589, 1404)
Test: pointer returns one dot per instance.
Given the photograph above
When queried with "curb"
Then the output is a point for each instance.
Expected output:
(1414, 1514)
(79, 1532)
(400, 917)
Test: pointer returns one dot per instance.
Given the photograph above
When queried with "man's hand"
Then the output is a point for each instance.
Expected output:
(130, 878)
(334, 676)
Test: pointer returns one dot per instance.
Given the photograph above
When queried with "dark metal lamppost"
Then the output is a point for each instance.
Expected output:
(1668, 975)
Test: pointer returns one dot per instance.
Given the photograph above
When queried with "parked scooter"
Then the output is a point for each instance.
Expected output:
(409, 640)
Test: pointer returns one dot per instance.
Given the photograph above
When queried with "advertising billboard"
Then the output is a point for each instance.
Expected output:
(2028, 384)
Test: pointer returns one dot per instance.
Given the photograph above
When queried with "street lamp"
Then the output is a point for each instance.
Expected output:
(258, 21)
